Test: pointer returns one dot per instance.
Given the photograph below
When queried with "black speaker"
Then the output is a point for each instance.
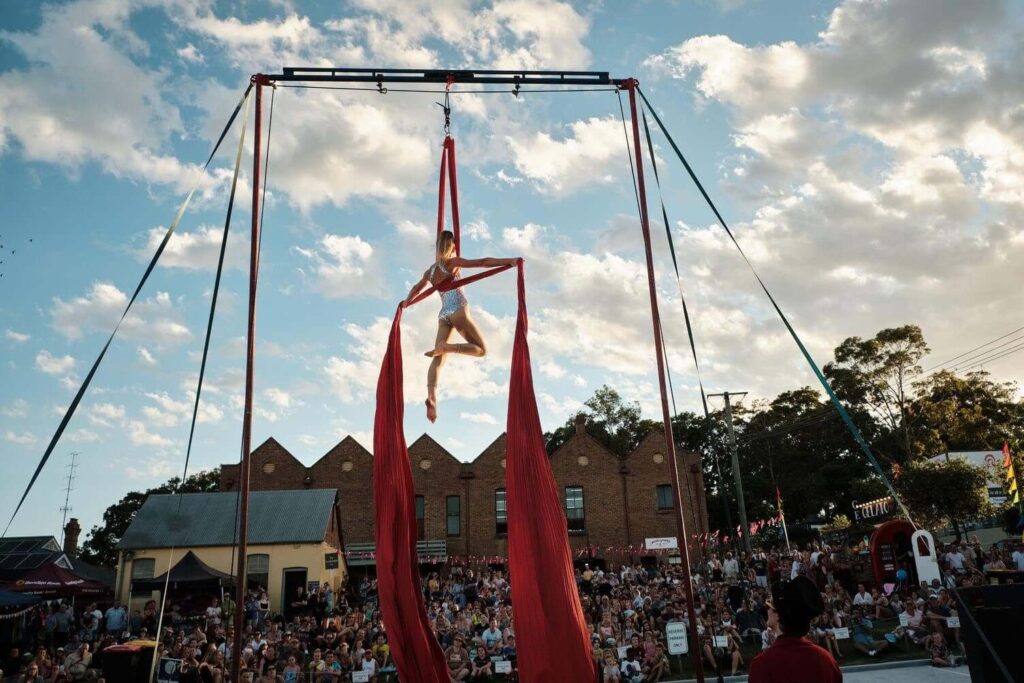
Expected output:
(999, 613)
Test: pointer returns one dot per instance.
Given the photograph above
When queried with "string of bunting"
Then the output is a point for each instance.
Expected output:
(755, 528)
(15, 615)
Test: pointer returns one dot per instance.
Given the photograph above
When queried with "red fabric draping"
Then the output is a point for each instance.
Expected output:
(448, 171)
(416, 652)
(553, 641)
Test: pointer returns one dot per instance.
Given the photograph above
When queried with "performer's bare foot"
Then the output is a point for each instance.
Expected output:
(431, 409)
(438, 351)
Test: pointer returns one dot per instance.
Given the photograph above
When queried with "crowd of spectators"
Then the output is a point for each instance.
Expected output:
(326, 635)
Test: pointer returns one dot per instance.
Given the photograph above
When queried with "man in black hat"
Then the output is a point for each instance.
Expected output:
(793, 658)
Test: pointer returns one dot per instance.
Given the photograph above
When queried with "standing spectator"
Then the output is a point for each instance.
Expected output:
(731, 569)
(116, 618)
(760, 563)
(793, 658)
(213, 615)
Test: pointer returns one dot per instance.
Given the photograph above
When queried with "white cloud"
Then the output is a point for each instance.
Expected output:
(190, 53)
(477, 231)
(197, 250)
(140, 435)
(479, 418)
(868, 196)
(16, 337)
(83, 436)
(281, 398)
(155, 319)
(16, 408)
(53, 365)
(153, 469)
(342, 266)
(582, 159)
(308, 440)
(146, 357)
(23, 439)
(84, 97)
(106, 414)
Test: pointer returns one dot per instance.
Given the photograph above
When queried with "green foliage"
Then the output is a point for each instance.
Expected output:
(942, 493)
(101, 546)
(971, 412)
(615, 423)
(877, 374)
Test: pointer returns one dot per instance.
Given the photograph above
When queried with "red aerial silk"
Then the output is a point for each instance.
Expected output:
(554, 644)
(415, 649)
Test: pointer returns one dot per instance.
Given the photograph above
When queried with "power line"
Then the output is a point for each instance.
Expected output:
(981, 346)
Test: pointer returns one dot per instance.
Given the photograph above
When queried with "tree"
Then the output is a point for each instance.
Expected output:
(946, 492)
(615, 423)
(101, 546)
(878, 373)
(951, 412)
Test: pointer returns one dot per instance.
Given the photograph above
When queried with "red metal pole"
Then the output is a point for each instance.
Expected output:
(243, 476)
(684, 553)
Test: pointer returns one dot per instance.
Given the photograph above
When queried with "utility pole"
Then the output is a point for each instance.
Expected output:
(67, 494)
(740, 503)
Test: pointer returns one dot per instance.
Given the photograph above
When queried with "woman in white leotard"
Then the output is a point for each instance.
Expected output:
(454, 314)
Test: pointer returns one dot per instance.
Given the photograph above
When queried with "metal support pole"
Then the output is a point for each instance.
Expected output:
(645, 226)
(741, 503)
(243, 475)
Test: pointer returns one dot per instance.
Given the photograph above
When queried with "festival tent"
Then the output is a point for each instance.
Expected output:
(51, 581)
(191, 573)
(10, 600)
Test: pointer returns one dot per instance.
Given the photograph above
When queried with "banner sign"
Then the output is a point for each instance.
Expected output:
(675, 634)
(667, 543)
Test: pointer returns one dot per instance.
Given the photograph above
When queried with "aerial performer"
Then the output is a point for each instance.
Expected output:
(454, 314)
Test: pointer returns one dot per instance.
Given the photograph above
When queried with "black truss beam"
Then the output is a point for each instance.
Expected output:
(444, 76)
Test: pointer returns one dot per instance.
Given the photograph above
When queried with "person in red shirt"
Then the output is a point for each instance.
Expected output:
(793, 658)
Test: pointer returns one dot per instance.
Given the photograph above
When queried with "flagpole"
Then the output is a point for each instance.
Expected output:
(778, 499)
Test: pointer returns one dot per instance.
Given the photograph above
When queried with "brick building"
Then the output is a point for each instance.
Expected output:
(610, 502)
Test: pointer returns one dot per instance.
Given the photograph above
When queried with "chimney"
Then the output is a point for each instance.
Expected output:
(581, 424)
(71, 532)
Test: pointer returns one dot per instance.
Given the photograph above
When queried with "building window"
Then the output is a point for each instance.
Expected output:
(257, 570)
(500, 513)
(664, 493)
(574, 515)
(454, 515)
(143, 568)
(421, 530)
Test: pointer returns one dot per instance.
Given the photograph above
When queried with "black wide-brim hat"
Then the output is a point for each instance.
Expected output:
(798, 597)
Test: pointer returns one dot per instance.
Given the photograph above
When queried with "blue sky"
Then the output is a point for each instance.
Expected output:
(868, 153)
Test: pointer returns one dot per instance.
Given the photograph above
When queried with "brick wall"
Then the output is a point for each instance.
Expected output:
(611, 485)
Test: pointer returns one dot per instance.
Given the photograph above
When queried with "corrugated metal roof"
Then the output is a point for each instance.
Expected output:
(208, 519)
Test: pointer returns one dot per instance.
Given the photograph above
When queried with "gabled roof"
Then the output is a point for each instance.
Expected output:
(208, 519)
(21, 554)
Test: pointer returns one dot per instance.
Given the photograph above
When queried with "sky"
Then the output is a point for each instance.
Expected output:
(869, 156)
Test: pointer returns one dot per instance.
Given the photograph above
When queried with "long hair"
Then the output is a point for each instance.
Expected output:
(445, 244)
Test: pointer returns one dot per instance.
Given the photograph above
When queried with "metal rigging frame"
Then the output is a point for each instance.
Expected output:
(516, 79)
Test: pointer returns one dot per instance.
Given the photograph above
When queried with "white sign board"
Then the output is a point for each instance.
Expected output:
(360, 677)
(721, 641)
(503, 667)
(841, 633)
(623, 651)
(953, 622)
(665, 543)
(904, 620)
(675, 634)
